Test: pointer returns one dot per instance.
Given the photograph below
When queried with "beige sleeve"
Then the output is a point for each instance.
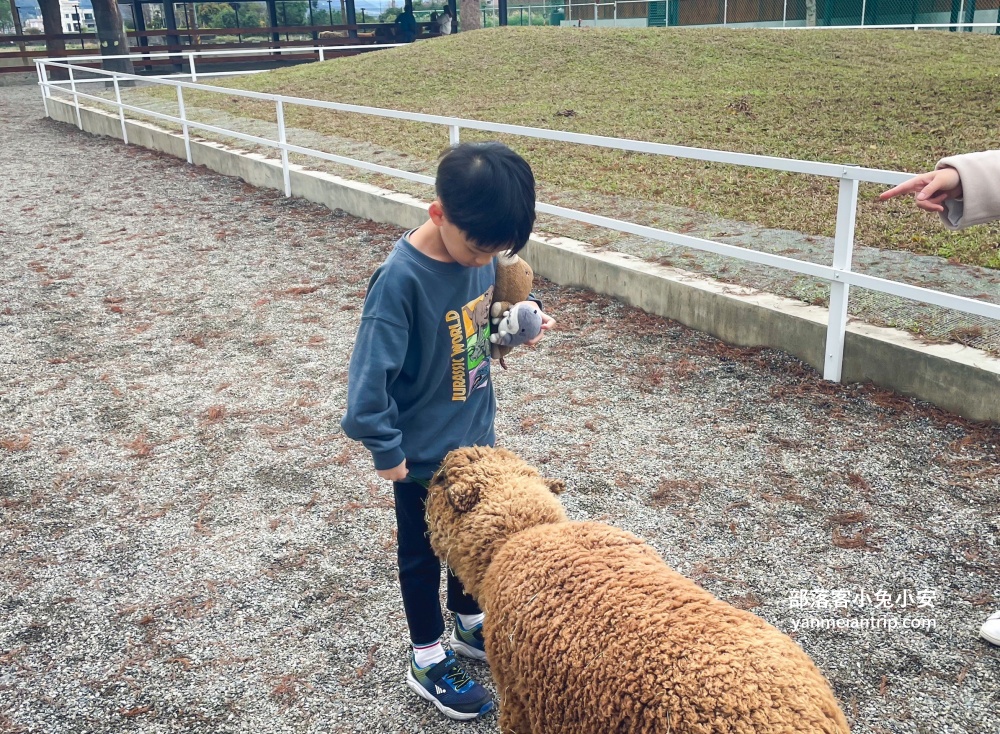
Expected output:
(980, 202)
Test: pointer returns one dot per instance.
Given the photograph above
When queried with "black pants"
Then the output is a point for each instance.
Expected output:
(420, 569)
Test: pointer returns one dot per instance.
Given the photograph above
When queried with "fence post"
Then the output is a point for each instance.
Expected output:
(784, 14)
(45, 76)
(453, 134)
(42, 82)
(843, 252)
(282, 140)
(121, 110)
(725, 12)
(76, 97)
(183, 116)
(194, 73)
(321, 54)
(864, 10)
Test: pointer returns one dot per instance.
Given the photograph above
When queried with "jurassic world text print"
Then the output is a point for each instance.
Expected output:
(470, 346)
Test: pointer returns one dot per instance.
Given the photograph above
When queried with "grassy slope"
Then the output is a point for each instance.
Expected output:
(897, 100)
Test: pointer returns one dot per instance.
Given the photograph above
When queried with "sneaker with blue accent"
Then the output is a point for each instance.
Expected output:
(468, 642)
(449, 688)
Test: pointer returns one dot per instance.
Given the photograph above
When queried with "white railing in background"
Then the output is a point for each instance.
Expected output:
(189, 57)
(839, 275)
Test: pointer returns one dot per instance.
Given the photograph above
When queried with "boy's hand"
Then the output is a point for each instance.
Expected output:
(932, 188)
(396, 474)
(547, 323)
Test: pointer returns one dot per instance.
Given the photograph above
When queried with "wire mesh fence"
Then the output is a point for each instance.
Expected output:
(974, 16)
(838, 12)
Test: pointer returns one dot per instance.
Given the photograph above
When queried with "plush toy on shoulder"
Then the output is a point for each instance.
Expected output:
(519, 324)
(515, 319)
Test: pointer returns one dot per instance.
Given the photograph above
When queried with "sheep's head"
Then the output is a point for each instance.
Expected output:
(477, 500)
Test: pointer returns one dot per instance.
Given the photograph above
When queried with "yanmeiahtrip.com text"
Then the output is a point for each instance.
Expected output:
(863, 623)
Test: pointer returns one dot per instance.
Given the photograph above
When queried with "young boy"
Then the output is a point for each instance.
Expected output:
(419, 386)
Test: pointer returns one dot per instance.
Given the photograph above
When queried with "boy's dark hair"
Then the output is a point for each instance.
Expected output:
(487, 191)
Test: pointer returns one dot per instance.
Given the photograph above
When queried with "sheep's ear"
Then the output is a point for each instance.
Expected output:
(556, 486)
(462, 496)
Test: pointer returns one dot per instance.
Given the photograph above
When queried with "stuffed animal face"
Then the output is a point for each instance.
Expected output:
(513, 284)
(513, 280)
(522, 323)
(477, 500)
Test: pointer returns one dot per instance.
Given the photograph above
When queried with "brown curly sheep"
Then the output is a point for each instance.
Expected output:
(587, 630)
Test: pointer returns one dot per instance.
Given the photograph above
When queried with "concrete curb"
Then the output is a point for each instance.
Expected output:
(960, 379)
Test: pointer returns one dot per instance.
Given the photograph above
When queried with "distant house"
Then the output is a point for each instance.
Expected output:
(76, 19)
(34, 24)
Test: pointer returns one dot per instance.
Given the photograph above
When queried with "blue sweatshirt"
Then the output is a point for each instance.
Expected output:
(419, 381)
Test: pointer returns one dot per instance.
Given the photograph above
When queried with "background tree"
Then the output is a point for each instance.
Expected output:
(6, 17)
(321, 16)
(219, 15)
(11, 22)
(215, 15)
(111, 35)
(224, 15)
(257, 14)
(470, 15)
(154, 20)
(293, 14)
(324, 14)
(52, 23)
(389, 16)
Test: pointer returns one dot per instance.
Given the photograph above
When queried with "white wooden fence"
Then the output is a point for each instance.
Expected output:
(838, 274)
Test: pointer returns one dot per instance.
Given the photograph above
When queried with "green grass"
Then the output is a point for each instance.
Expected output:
(885, 99)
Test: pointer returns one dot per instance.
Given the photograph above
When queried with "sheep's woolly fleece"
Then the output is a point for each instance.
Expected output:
(588, 631)
(188, 544)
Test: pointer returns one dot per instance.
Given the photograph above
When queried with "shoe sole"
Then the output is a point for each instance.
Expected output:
(414, 684)
(465, 649)
(990, 638)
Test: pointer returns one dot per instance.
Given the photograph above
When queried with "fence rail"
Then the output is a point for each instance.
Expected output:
(357, 38)
(190, 56)
(838, 274)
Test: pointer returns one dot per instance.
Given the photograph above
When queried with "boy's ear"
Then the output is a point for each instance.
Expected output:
(436, 213)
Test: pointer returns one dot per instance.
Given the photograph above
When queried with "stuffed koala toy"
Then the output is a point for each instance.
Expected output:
(513, 285)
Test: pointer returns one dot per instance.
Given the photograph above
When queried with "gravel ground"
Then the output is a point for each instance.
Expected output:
(930, 323)
(188, 543)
